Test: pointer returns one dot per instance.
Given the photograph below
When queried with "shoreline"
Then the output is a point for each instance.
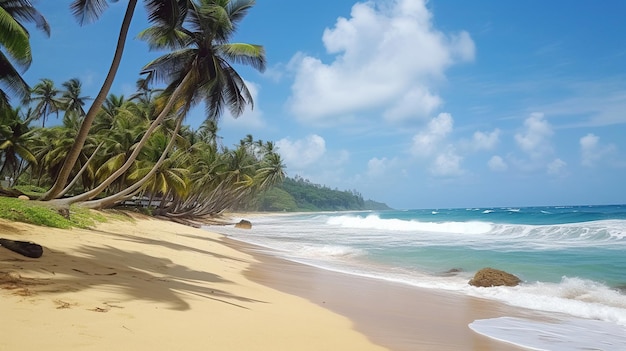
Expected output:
(149, 284)
(397, 316)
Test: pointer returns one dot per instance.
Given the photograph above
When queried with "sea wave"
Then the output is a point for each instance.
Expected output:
(596, 233)
(600, 233)
(573, 296)
(375, 222)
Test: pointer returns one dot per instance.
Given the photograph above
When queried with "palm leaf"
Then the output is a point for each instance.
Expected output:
(88, 11)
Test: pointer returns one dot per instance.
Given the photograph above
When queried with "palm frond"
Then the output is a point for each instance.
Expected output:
(88, 11)
(243, 53)
(11, 79)
(14, 38)
(23, 10)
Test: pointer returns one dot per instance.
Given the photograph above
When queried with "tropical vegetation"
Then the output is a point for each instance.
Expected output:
(300, 195)
(137, 151)
(65, 149)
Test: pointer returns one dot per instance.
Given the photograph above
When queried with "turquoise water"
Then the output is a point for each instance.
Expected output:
(572, 259)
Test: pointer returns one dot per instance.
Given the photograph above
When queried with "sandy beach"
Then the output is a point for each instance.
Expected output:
(146, 284)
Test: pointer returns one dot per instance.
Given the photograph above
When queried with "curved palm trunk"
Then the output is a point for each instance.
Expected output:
(80, 173)
(133, 156)
(113, 199)
(72, 156)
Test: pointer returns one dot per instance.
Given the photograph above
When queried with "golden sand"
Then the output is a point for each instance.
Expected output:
(151, 285)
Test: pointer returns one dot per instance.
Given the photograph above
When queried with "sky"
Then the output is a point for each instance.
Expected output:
(414, 103)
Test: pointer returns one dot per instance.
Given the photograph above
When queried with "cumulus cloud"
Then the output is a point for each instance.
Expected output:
(387, 56)
(485, 141)
(301, 153)
(377, 166)
(427, 142)
(447, 163)
(497, 164)
(534, 140)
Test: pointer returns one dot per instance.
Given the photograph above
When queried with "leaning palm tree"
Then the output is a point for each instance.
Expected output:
(85, 11)
(15, 42)
(199, 70)
(89, 10)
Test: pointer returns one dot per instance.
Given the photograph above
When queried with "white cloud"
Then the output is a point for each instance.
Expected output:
(417, 101)
(377, 167)
(427, 142)
(535, 139)
(388, 56)
(497, 164)
(301, 153)
(485, 141)
(447, 163)
(591, 150)
(557, 167)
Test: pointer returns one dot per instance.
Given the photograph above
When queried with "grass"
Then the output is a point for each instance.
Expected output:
(44, 214)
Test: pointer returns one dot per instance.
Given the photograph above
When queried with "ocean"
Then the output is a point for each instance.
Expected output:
(571, 259)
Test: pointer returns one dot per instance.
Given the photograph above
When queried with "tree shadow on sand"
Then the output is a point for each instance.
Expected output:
(136, 275)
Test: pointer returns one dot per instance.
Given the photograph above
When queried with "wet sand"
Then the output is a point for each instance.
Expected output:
(397, 316)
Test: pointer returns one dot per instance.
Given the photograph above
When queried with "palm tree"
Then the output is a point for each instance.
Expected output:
(15, 41)
(87, 10)
(203, 52)
(199, 69)
(14, 139)
(90, 10)
(71, 100)
(44, 95)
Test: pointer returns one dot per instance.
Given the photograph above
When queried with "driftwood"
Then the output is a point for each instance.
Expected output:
(25, 248)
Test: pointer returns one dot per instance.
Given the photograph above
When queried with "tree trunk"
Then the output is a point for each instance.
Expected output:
(72, 156)
(80, 173)
(133, 156)
(111, 200)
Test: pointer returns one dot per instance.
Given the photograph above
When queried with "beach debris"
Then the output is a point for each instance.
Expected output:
(23, 197)
(488, 277)
(25, 248)
(243, 224)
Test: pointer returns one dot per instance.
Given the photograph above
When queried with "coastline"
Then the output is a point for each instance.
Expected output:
(397, 316)
(149, 284)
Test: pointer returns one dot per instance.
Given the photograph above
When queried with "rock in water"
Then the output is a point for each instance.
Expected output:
(243, 224)
(488, 277)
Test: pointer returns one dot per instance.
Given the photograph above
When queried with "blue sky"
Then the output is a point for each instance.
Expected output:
(418, 104)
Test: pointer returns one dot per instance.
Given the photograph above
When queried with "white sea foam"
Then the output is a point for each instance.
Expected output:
(562, 335)
(326, 251)
(351, 242)
(375, 222)
(572, 296)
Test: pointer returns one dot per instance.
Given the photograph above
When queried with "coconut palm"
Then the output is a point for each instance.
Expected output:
(198, 71)
(14, 138)
(15, 45)
(71, 101)
(85, 11)
(203, 52)
(44, 96)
